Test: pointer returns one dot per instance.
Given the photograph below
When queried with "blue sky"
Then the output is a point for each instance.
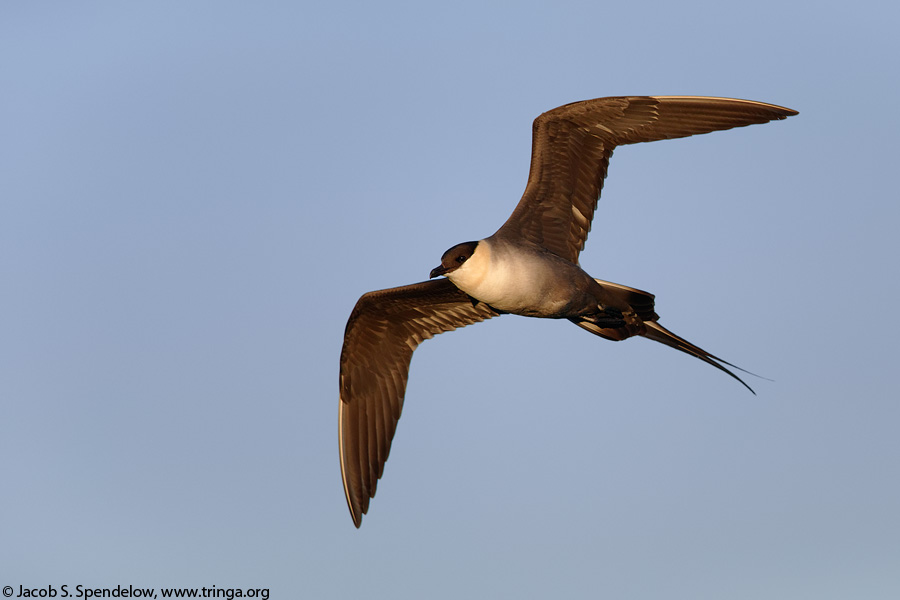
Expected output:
(194, 195)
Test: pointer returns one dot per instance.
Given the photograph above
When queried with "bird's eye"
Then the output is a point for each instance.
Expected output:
(461, 259)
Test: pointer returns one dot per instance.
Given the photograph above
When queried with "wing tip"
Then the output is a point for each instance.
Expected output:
(355, 512)
(781, 112)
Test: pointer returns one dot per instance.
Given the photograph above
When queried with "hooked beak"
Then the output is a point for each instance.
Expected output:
(437, 271)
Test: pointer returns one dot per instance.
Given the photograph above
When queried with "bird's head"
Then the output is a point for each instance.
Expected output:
(454, 258)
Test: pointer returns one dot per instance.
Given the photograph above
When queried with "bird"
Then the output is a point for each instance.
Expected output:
(529, 267)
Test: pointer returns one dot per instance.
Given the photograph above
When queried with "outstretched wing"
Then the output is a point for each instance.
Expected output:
(382, 332)
(572, 144)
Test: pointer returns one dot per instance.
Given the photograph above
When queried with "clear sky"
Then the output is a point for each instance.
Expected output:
(194, 195)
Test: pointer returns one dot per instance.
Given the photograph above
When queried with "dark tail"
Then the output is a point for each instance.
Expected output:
(658, 333)
(645, 325)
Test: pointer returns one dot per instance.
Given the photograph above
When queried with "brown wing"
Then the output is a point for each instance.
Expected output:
(382, 332)
(572, 145)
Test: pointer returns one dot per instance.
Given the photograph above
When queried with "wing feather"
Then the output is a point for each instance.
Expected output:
(384, 329)
(572, 145)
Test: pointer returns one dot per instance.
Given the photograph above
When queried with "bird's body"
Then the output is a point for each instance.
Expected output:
(526, 279)
(529, 267)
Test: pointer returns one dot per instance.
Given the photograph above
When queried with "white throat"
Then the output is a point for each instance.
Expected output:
(471, 275)
(506, 278)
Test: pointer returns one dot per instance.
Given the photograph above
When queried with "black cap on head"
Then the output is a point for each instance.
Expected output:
(454, 257)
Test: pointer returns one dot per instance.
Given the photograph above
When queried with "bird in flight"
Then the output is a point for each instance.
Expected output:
(528, 267)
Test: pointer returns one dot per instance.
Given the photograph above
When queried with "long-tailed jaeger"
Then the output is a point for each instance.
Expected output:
(528, 267)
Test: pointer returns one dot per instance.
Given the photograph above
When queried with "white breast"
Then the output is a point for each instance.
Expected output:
(507, 280)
